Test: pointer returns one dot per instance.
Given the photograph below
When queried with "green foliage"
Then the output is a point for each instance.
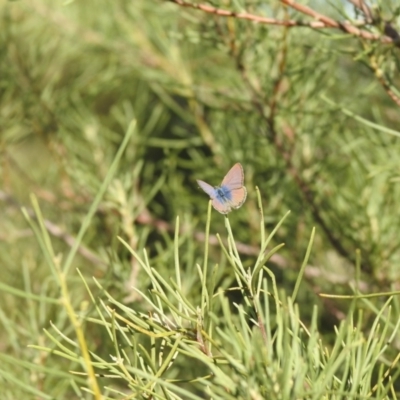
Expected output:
(109, 112)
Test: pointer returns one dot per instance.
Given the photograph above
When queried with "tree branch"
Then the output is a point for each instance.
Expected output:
(322, 21)
(360, 4)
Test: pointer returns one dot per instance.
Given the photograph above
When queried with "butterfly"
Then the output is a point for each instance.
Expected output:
(231, 194)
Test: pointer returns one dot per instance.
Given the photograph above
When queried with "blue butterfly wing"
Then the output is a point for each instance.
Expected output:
(210, 190)
(217, 195)
(222, 201)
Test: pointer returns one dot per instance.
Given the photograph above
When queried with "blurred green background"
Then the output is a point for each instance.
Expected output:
(304, 111)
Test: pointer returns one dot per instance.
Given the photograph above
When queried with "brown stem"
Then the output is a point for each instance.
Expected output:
(321, 22)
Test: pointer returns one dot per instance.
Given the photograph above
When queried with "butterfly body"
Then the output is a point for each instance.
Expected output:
(231, 194)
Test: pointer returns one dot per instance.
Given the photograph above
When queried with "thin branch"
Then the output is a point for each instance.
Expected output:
(382, 80)
(372, 19)
(57, 232)
(321, 22)
(362, 6)
(331, 23)
(251, 17)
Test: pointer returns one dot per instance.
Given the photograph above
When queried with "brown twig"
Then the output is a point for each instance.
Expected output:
(321, 22)
(247, 16)
(58, 232)
(360, 4)
(387, 89)
(384, 83)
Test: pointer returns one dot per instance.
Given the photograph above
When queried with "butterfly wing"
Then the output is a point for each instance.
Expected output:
(219, 202)
(222, 201)
(232, 185)
(238, 197)
(234, 179)
(222, 206)
(207, 188)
